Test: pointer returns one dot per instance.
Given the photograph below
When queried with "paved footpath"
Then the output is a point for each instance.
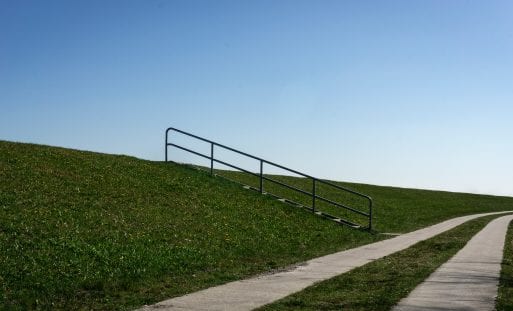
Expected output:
(264, 289)
(469, 280)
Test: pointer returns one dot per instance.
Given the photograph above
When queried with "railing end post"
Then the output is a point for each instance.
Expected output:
(370, 213)
(165, 146)
(313, 195)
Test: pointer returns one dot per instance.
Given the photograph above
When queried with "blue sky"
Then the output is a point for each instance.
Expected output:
(405, 93)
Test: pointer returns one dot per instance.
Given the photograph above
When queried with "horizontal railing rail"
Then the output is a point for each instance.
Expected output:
(262, 177)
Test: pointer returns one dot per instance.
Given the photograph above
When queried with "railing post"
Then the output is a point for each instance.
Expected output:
(313, 195)
(166, 145)
(211, 158)
(370, 215)
(261, 176)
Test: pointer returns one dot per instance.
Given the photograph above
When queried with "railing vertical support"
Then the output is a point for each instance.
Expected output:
(211, 158)
(370, 215)
(166, 145)
(261, 176)
(313, 195)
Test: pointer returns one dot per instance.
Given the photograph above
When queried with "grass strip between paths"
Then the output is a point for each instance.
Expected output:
(381, 284)
(505, 297)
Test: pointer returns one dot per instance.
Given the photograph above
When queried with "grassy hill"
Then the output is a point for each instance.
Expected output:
(82, 230)
(395, 209)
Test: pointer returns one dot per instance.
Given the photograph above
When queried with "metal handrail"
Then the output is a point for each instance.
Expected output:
(261, 176)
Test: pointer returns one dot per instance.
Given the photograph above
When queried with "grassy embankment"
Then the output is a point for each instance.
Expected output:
(396, 210)
(87, 230)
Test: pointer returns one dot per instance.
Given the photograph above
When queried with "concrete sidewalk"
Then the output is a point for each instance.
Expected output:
(261, 290)
(469, 280)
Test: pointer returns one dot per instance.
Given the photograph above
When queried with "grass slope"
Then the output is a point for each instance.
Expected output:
(87, 230)
(395, 209)
(82, 230)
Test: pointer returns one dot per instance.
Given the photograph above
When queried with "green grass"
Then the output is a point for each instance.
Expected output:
(87, 230)
(82, 230)
(381, 284)
(395, 209)
(505, 297)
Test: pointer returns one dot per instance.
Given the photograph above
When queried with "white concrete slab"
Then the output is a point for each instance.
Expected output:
(469, 280)
(264, 289)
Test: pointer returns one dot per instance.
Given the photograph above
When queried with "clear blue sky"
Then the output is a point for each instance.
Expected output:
(406, 93)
